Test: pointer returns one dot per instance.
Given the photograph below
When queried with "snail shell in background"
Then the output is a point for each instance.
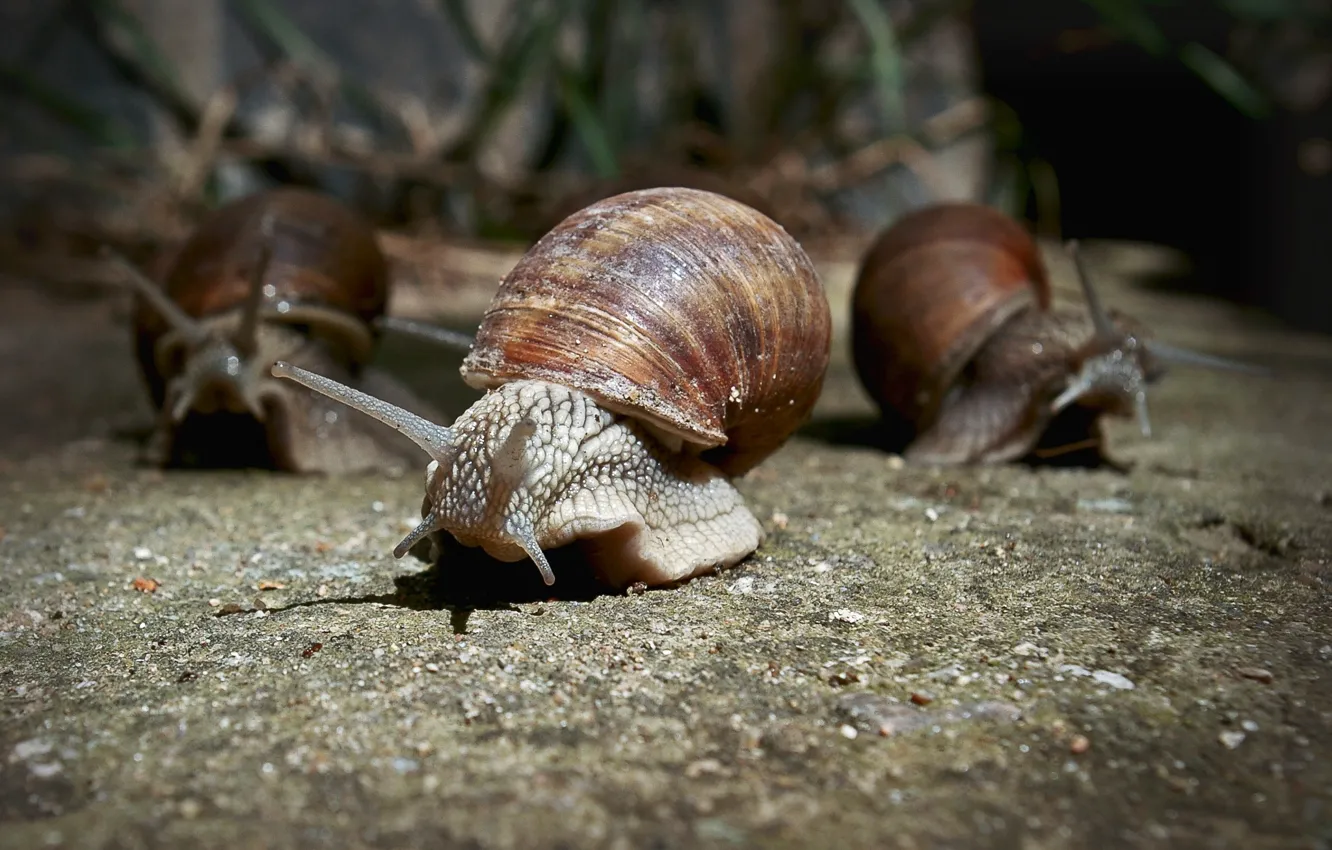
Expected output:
(290, 274)
(953, 334)
(647, 349)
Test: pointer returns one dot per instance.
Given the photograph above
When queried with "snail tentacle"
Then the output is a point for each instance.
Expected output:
(519, 528)
(435, 440)
(247, 338)
(423, 330)
(190, 329)
(429, 523)
(1100, 318)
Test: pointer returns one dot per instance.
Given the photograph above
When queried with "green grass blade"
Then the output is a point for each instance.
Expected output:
(273, 24)
(461, 19)
(1224, 79)
(1129, 19)
(95, 125)
(528, 46)
(587, 123)
(886, 61)
(144, 52)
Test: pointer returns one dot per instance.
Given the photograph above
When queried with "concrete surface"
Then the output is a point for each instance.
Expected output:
(1005, 657)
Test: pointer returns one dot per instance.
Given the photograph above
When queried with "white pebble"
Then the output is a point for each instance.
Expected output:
(744, 584)
(1114, 680)
(846, 615)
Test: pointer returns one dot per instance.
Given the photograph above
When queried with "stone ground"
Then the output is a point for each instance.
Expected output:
(1012, 656)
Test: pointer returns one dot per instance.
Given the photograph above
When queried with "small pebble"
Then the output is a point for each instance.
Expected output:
(1114, 680)
(1079, 745)
(887, 717)
(142, 553)
(921, 698)
(780, 520)
(696, 769)
(848, 731)
(1258, 674)
(742, 585)
(1231, 739)
(146, 585)
(846, 615)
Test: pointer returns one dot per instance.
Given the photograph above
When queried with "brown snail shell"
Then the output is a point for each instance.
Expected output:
(648, 349)
(715, 330)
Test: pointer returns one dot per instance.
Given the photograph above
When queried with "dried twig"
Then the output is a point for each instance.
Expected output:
(937, 131)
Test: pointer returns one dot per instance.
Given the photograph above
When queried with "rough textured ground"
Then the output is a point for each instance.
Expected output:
(916, 658)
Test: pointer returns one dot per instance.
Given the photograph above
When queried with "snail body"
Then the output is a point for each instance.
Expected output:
(286, 274)
(648, 349)
(954, 336)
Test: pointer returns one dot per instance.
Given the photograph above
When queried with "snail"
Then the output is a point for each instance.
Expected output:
(286, 274)
(646, 351)
(954, 337)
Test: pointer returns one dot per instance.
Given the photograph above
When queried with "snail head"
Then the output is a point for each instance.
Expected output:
(508, 463)
(1120, 362)
(218, 369)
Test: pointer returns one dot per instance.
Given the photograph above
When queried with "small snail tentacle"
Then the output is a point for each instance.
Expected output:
(191, 330)
(1174, 354)
(247, 337)
(423, 330)
(1117, 367)
(435, 440)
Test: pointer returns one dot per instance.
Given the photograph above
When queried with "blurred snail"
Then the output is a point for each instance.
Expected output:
(954, 336)
(285, 274)
(646, 350)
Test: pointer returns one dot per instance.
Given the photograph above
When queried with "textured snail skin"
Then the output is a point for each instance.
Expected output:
(999, 410)
(321, 280)
(644, 352)
(662, 516)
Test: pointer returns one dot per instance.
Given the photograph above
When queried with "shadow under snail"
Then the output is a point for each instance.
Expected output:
(648, 349)
(954, 337)
(286, 274)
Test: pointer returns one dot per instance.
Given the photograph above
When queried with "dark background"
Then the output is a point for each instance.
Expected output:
(1146, 150)
(1143, 147)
